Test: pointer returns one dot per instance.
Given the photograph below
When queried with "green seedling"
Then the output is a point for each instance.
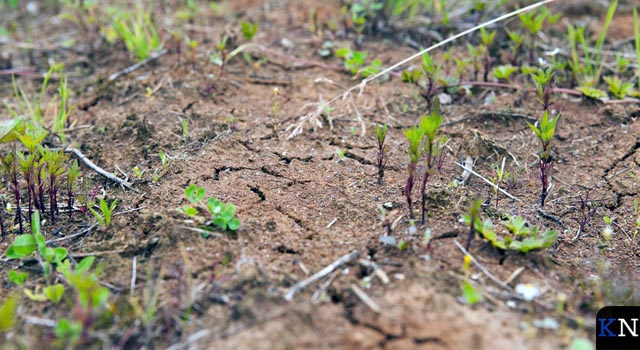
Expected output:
(193, 46)
(517, 40)
(499, 178)
(617, 87)
(487, 39)
(164, 159)
(521, 236)
(10, 167)
(587, 211)
(545, 131)
(432, 73)
(184, 123)
(381, 136)
(607, 231)
(592, 93)
(414, 136)
(543, 81)
(622, 63)
(138, 33)
(106, 211)
(137, 173)
(27, 244)
(355, 62)
(475, 59)
(91, 300)
(504, 72)
(249, 30)
(18, 278)
(533, 22)
(470, 293)
(54, 161)
(473, 217)
(433, 147)
(8, 312)
(403, 245)
(588, 72)
(73, 173)
(222, 215)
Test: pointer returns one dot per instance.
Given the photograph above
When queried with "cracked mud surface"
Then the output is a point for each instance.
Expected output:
(302, 206)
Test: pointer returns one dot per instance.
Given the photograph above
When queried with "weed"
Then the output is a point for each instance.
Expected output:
(184, 123)
(517, 40)
(543, 81)
(18, 278)
(504, 72)
(473, 217)
(434, 144)
(470, 293)
(192, 45)
(54, 161)
(587, 211)
(607, 231)
(617, 87)
(500, 176)
(106, 211)
(137, 173)
(164, 159)
(414, 136)
(521, 236)
(487, 39)
(8, 312)
(355, 62)
(381, 135)
(138, 33)
(222, 215)
(545, 131)
(249, 30)
(588, 73)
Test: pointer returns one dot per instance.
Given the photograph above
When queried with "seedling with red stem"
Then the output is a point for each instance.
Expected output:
(381, 135)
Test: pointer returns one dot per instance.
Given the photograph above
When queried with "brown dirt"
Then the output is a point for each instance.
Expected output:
(287, 192)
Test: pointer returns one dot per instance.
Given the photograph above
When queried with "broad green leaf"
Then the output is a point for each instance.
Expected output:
(8, 313)
(23, 246)
(54, 293)
(85, 264)
(470, 294)
(18, 278)
(234, 224)
(10, 129)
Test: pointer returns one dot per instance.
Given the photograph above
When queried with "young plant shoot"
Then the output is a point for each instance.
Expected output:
(381, 135)
(545, 130)
(414, 136)
(433, 146)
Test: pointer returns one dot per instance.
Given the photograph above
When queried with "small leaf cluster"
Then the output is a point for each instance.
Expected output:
(222, 214)
(137, 31)
(355, 62)
(521, 237)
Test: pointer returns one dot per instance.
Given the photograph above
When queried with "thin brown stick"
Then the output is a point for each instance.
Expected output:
(76, 152)
(484, 270)
(320, 274)
(366, 299)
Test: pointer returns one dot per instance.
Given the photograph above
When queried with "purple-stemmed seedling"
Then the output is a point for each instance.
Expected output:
(381, 136)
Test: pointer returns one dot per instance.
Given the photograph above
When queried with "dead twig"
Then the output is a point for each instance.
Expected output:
(136, 66)
(78, 234)
(76, 152)
(366, 299)
(320, 274)
(484, 270)
(487, 181)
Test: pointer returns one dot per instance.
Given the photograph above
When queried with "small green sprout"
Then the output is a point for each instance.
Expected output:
(607, 231)
(414, 136)
(138, 33)
(517, 40)
(545, 131)
(185, 128)
(617, 87)
(164, 159)
(521, 237)
(487, 39)
(18, 278)
(592, 93)
(470, 293)
(8, 312)
(504, 72)
(249, 30)
(499, 178)
(106, 211)
(355, 62)
(222, 215)
(403, 245)
(543, 81)
(193, 45)
(433, 150)
(381, 135)
(137, 173)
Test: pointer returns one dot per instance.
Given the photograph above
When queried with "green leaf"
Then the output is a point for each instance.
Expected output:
(18, 278)
(54, 293)
(60, 254)
(234, 224)
(85, 264)
(8, 313)
(10, 129)
(23, 246)
(190, 211)
(470, 294)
